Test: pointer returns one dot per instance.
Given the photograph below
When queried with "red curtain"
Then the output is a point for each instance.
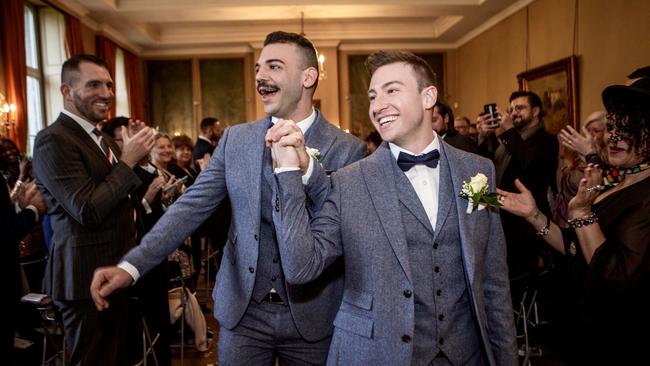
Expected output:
(12, 28)
(106, 50)
(133, 70)
(73, 42)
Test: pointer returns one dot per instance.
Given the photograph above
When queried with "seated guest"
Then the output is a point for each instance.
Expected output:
(609, 245)
(443, 123)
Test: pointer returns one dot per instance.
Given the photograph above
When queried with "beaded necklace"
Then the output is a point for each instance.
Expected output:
(612, 176)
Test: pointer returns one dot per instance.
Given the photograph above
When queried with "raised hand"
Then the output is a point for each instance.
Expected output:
(204, 161)
(286, 133)
(521, 204)
(588, 189)
(107, 280)
(154, 188)
(136, 146)
(582, 143)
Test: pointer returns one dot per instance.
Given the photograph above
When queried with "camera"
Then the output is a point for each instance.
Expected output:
(491, 110)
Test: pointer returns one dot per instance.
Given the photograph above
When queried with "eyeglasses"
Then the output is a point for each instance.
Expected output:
(518, 108)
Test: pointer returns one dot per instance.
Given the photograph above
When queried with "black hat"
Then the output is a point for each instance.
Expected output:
(642, 72)
(637, 93)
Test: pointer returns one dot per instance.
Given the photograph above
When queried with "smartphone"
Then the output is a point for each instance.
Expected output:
(176, 184)
(491, 110)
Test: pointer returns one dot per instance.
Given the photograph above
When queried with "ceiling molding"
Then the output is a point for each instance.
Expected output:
(505, 13)
(194, 51)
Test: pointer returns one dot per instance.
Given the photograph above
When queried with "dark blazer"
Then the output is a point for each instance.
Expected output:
(89, 205)
(236, 169)
(534, 162)
(361, 221)
(201, 148)
(461, 142)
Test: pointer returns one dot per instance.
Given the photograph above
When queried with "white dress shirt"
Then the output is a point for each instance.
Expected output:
(425, 180)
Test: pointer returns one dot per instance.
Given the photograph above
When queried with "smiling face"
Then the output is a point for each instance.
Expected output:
(284, 81)
(521, 112)
(89, 92)
(620, 149)
(400, 113)
(183, 155)
(162, 152)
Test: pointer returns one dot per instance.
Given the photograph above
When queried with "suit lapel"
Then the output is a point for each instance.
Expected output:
(255, 167)
(445, 191)
(462, 172)
(318, 135)
(380, 180)
(83, 137)
(407, 195)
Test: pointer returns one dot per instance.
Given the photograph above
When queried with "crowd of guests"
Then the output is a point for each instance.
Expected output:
(577, 203)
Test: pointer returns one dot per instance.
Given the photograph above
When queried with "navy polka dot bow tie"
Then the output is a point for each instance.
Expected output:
(407, 161)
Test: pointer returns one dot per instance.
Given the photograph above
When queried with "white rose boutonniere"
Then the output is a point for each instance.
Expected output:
(476, 192)
(314, 153)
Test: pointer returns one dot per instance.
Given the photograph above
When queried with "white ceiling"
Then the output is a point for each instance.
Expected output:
(172, 27)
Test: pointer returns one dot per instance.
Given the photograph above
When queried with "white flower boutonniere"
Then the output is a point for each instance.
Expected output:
(476, 192)
(314, 153)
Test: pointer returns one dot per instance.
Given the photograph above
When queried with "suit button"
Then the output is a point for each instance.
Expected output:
(441, 317)
(441, 341)
(439, 292)
(275, 260)
(251, 269)
(435, 245)
(256, 237)
(275, 278)
(406, 338)
(436, 269)
(407, 293)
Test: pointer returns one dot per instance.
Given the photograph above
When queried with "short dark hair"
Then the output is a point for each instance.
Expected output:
(114, 123)
(423, 72)
(306, 48)
(533, 99)
(207, 122)
(71, 65)
(182, 140)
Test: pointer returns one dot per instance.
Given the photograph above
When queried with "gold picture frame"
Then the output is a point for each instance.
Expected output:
(555, 83)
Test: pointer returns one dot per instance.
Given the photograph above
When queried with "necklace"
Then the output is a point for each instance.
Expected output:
(612, 176)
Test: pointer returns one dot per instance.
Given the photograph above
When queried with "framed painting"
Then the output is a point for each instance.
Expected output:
(555, 83)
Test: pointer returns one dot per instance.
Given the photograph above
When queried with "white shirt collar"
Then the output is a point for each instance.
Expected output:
(205, 139)
(434, 144)
(304, 124)
(85, 124)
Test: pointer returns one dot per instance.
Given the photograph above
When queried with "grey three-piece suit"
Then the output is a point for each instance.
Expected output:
(241, 167)
(411, 293)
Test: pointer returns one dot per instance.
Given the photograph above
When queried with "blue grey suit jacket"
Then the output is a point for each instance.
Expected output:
(236, 169)
(361, 221)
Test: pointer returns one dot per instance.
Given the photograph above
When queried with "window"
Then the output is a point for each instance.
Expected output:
(121, 94)
(34, 101)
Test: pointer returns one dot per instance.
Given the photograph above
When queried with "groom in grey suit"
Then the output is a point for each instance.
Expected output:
(261, 317)
(426, 283)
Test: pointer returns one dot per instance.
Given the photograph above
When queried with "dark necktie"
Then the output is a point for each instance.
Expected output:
(104, 146)
(406, 161)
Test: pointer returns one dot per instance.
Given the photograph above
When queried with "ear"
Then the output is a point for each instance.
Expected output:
(309, 77)
(535, 112)
(66, 90)
(429, 97)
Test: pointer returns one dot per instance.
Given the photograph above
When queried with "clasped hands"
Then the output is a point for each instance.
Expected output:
(287, 144)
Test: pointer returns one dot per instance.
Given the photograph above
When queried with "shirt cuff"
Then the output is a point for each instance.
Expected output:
(147, 208)
(34, 209)
(305, 177)
(310, 170)
(130, 269)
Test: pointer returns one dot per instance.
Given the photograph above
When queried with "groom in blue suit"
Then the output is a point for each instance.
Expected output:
(426, 282)
(261, 317)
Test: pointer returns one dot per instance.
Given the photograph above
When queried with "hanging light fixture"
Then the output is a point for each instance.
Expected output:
(322, 72)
